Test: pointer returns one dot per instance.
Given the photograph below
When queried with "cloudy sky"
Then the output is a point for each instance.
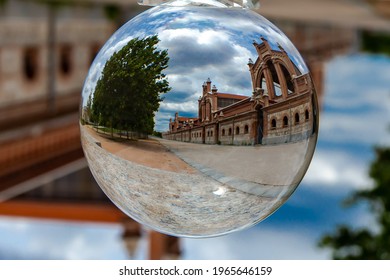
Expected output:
(355, 117)
(201, 43)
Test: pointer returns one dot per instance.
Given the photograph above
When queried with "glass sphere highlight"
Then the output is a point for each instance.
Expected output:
(198, 121)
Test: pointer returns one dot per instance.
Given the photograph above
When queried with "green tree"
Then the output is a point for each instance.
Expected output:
(375, 42)
(128, 93)
(366, 243)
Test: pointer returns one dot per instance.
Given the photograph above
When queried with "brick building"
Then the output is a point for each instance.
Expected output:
(281, 109)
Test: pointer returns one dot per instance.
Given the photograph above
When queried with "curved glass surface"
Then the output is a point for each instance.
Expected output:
(197, 121)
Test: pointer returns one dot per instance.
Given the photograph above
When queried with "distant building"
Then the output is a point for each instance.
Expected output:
(46, 51)
(25, 48)
(281, 109)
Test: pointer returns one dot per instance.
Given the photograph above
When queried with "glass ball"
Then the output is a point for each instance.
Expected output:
(198, 121)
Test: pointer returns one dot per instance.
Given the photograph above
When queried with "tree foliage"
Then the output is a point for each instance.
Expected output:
(376, 42)
(127, 95)
(366, 243)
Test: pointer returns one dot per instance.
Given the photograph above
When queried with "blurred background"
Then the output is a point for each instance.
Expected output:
(51, 207)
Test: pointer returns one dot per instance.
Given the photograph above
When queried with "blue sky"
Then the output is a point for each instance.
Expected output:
(355, 117)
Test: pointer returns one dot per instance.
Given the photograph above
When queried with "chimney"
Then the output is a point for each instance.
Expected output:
(176, 120)
(204, 86)
(208, 83)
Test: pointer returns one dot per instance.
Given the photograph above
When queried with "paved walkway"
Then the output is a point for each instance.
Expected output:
(190, 203)
(259, 170)
(147, 152)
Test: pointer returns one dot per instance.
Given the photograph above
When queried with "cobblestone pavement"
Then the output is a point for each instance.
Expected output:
(259, 170)
(176, 201)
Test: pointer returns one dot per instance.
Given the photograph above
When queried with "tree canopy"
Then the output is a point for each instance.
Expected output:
(367, 243)
(128, 93)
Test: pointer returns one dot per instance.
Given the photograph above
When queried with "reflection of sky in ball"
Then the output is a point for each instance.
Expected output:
(201, 43)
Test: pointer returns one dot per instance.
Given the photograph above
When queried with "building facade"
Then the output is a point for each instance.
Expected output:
(281, 109)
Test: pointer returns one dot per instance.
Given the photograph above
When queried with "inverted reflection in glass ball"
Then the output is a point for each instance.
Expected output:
(198, 121)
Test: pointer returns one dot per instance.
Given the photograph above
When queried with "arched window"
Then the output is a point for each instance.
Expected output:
(285, 121)
(273, 123)
(208, 133)
(223, 132)
(211, 133)
(30, 63)
(306, 115)
(246, 129)
(237, 130)
(230, 131)
(296, 118)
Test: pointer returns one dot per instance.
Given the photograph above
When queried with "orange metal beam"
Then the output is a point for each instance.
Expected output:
(67, 211)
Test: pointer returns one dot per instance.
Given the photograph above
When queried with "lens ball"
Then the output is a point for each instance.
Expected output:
(198, 121)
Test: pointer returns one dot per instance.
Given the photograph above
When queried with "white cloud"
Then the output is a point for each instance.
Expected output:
(357, 101)
(365, 128)
(32, 238)
(354, 86)
(256, 243)
(188, 106)
(337, 171)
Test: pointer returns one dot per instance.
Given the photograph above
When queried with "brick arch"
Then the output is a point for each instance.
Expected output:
(277, 68)
(264, 72)
(286, 73)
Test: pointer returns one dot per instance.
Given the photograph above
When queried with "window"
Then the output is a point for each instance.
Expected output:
(273, 124)
(230, 131)
(65, 62)
(296, 118)
(223, 132)
(208, 133)
(246, 129)
(285, 121)
(30, 63)
(237, 130)
(211, 133)
(307, 115)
